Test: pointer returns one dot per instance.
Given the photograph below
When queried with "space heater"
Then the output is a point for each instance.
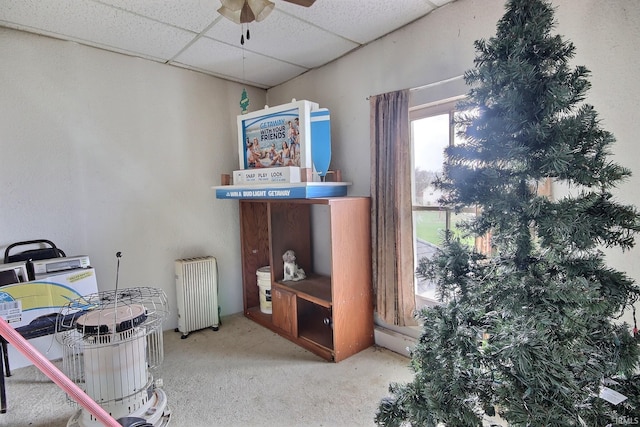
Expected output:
(112, 345)
(197, 294)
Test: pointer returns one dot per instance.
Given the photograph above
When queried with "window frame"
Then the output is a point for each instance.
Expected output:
(446, 106)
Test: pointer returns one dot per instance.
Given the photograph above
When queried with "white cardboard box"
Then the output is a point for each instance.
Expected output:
(22, 303)
(281, 175)
(258, 130)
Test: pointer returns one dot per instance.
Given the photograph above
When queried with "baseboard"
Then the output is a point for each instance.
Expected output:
(394, 341)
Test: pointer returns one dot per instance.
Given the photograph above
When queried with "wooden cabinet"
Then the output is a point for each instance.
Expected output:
(284, 315)
(331, 311)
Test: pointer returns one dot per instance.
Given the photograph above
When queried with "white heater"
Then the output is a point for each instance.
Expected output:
(197, 294)
(110, 349)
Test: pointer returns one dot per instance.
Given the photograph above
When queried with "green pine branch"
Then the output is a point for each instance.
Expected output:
(530, 331)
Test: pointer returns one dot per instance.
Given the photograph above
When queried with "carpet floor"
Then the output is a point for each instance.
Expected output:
(241, 375)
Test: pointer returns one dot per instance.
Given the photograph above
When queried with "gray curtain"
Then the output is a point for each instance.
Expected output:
(391, 216)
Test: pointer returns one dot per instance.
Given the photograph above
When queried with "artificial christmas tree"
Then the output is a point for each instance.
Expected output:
(529, 331)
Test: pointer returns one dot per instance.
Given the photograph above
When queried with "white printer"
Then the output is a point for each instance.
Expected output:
(48, 267)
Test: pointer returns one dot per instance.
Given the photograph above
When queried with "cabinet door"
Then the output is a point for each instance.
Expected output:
(284, 310)
(315, 323)
(254, 232)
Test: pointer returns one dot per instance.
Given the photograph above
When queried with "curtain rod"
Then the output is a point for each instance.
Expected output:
(428, 85)
(438, 83)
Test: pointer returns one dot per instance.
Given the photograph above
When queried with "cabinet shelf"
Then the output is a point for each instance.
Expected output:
(314, 288)
(258, 316)
(328, 313)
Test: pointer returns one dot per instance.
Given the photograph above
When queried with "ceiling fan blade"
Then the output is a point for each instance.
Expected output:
(305, 3)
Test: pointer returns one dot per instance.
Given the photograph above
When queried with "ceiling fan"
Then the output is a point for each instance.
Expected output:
(245, 11)
(305, 3)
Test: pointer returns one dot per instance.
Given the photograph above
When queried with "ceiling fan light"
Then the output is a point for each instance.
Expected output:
(232, 15)
(261, 8)
(233, 5)
(244, 11)
(246, 14)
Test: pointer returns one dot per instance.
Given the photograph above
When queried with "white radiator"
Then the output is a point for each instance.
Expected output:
(197, 292)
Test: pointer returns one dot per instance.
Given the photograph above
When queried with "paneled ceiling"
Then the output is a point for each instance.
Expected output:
(192, 34)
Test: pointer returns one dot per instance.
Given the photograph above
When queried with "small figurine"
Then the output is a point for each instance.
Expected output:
(291, 269)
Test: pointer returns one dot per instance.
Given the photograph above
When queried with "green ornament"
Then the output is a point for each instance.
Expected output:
(244, 101)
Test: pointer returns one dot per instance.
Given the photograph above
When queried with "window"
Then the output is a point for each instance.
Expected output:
(431, 132)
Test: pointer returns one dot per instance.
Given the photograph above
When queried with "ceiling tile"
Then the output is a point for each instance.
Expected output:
(191, 33)
(226, 61)
(280, 36)
(440, 2)
(194, 15)
(97, 25)
(357, 20)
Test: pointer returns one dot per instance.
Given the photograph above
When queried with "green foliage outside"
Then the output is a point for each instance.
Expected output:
(430, 226)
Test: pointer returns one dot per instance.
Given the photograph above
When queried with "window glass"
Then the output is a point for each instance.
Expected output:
(430, 137)
(431, 133)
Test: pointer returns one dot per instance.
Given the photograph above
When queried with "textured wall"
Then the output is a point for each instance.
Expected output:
(102, 153)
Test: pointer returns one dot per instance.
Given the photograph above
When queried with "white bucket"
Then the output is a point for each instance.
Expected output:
(264, 283)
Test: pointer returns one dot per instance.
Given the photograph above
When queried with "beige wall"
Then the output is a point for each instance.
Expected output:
(102, 153)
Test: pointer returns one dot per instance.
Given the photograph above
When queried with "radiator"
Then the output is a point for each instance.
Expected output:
(197, 294)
